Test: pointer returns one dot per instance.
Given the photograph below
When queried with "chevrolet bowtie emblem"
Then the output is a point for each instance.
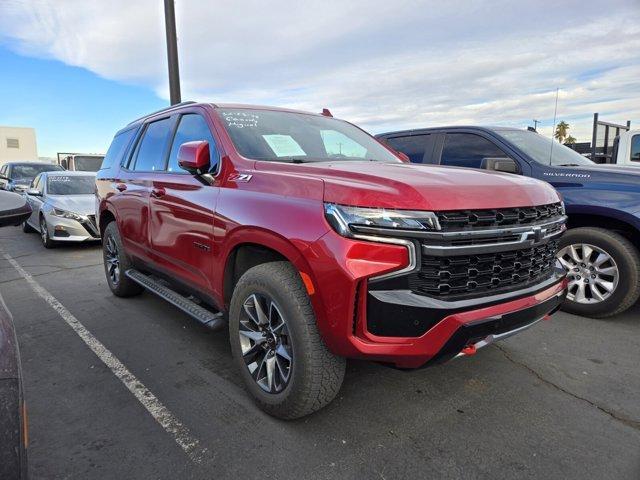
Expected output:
(538, 234)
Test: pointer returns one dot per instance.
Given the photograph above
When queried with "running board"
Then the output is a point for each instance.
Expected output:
(211, 320)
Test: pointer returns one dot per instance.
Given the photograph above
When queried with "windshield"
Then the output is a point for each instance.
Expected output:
(298, 137)
(29, 172)
(88, 164)
(540, 148)
(70, 184)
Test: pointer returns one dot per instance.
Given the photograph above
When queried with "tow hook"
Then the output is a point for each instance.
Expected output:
(469, 350)
(472, 348)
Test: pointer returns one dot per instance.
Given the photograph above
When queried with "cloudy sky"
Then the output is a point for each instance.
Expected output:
(79, 69)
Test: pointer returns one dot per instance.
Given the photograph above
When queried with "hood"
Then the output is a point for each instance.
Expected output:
(425, 187)
(81, 204)
(614, 169)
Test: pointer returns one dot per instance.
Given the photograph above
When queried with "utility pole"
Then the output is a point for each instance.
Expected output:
(535, 124)
(172, 51)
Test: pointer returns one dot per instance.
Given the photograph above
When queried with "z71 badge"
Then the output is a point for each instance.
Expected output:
(240, 177)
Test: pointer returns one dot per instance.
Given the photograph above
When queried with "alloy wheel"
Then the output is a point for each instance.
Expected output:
(112, 261)
(44, 232)
(593, 274)
(265, 342)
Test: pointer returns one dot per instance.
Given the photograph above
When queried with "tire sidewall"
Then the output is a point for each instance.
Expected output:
(627, 270)
(249, 284)
(48, 243)
(111, 231)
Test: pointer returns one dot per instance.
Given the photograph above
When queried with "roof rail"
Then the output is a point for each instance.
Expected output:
(166, 109)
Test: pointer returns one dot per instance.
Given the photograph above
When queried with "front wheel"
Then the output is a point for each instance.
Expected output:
(44, 234)
(603, 269)
(275, 342)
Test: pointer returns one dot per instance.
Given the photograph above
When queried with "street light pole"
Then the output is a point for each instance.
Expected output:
(172, 51)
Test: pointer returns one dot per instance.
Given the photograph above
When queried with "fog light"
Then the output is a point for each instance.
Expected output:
(60, 231)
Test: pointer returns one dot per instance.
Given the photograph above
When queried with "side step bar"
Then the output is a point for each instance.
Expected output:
(211, 320)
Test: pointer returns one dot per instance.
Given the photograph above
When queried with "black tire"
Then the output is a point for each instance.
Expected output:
(26, 228)
(119, 283)
(44, 234)
(315, 374)
(627, 260)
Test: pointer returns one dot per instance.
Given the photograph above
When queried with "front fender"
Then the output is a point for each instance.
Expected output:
(628, 217)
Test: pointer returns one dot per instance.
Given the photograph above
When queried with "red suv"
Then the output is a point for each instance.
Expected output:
(316, 243)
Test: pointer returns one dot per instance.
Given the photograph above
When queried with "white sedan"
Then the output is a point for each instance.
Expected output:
(63, 205)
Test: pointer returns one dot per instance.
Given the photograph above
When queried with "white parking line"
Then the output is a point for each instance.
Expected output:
(158, 411)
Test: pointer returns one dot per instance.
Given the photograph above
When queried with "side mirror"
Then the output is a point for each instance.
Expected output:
(34, 192)
(194, 157)
(502, 164)
(13, 209)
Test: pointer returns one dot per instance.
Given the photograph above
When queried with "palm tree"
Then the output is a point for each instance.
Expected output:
(562, 129)
(569, 140)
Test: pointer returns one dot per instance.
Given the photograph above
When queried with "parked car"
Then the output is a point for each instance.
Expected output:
(80, 162)
(17, 176)
(600, 250)
(13, 413)
(317, 243)
(626, 149)
(63, 206)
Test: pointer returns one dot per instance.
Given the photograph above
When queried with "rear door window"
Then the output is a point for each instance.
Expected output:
(117, 148)
(468, 150)
(151, 151)
(418, 148)
(192, 128)
(635, 148)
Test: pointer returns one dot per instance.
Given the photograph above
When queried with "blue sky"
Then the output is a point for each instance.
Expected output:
(77, 70)
(71, 108)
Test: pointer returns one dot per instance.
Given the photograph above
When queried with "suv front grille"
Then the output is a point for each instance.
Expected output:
(503, 217)
(488, 273)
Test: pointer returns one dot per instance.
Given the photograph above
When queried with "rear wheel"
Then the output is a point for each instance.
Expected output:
(44, 234)
(116, 262)
(603, 269)
(275, 342)
(26, 228)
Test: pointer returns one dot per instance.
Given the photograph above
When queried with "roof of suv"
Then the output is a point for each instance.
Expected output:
(178, 106)
(417, 131)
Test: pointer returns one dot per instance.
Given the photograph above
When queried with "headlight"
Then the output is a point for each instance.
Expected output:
(562, 209)
(64, 214)
(345, 220)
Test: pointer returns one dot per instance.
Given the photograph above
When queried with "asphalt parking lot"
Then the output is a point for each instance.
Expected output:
(561, 400)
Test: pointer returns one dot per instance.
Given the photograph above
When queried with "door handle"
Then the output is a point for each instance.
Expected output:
(158, 192)
(121, 187)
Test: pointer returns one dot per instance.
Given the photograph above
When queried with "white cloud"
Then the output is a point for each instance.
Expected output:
(382, 64)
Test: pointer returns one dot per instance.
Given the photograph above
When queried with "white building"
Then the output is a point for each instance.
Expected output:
(18, 144)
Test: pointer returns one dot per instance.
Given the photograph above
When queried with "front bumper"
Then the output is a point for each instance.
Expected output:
(419, 329)
(461, 329)
(68, 230)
